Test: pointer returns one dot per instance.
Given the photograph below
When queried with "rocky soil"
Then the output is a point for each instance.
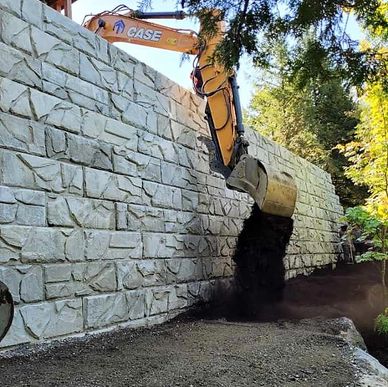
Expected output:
(194, 353)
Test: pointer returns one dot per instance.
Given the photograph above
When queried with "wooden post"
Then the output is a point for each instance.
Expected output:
(67, 7)
(60, 5)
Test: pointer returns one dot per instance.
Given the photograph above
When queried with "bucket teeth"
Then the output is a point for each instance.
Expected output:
(274, 191)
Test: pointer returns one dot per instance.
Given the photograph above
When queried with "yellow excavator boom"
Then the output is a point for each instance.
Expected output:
(274, 191)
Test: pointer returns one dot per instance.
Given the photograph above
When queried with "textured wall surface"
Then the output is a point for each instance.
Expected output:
(109, 212)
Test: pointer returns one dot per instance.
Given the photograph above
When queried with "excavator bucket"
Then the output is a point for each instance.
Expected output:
(274, 191)
(6, 310)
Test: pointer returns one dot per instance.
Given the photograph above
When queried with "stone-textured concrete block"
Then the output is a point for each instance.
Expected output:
(55, 112)
(129, 277)
(105, 185)
(57, 272)
(179, 177)
(184, 270)
(20, 67)
(157, 301)
(66, 146)
(14, 98)
(45, 320)
(54, 51)
(14, 31)
(12, 6)
(183, 135)
(178, 297)
(53, 319)
(170, 245)
(103, 245)
(108, 309)
(42, 245)
(96, 72)
(142, 218)
(32, 13)
(33, 172)
(21, 100)
(161, 196)
(97, 126)
(84, 94)
(25, 282)
(131, 163)
(24, 207)
(71, 212)
(17, 333)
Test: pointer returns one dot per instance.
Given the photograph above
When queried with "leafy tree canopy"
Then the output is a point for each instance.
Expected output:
(368, 153)
(309, 119)
(254, 25)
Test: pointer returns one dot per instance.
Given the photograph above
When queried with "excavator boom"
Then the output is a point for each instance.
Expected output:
(274, 191)
(126, 28)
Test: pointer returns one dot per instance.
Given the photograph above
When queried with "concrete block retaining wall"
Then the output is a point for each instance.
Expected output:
(109, 211)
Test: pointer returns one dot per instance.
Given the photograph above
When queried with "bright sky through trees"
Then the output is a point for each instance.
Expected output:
(168, 62)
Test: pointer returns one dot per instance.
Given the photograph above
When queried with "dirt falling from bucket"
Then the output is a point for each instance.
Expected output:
(259, 274)
(259, 255)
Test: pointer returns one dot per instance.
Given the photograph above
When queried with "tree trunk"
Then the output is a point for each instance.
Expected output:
(384, 269)
(383, 282)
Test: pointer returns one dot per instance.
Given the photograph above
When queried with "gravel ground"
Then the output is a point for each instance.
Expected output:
(192, 353)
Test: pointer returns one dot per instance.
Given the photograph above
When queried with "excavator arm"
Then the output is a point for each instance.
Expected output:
(274, 191)
(209, 81)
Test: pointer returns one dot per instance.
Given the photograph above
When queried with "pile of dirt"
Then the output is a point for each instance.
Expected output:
(352, 291)
(193, 353)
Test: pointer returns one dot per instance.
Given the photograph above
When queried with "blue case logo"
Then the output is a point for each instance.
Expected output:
(119, 26)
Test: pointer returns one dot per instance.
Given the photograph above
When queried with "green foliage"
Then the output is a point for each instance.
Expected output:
(381, 323)
(369, 227)
(372, 256)
(360, 217)
(366, 223)
(308, 118)
(254, 25)
(280, 113)
(368, 153)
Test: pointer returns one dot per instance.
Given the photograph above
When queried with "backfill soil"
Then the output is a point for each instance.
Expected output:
(193, 353)
(353, 291)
